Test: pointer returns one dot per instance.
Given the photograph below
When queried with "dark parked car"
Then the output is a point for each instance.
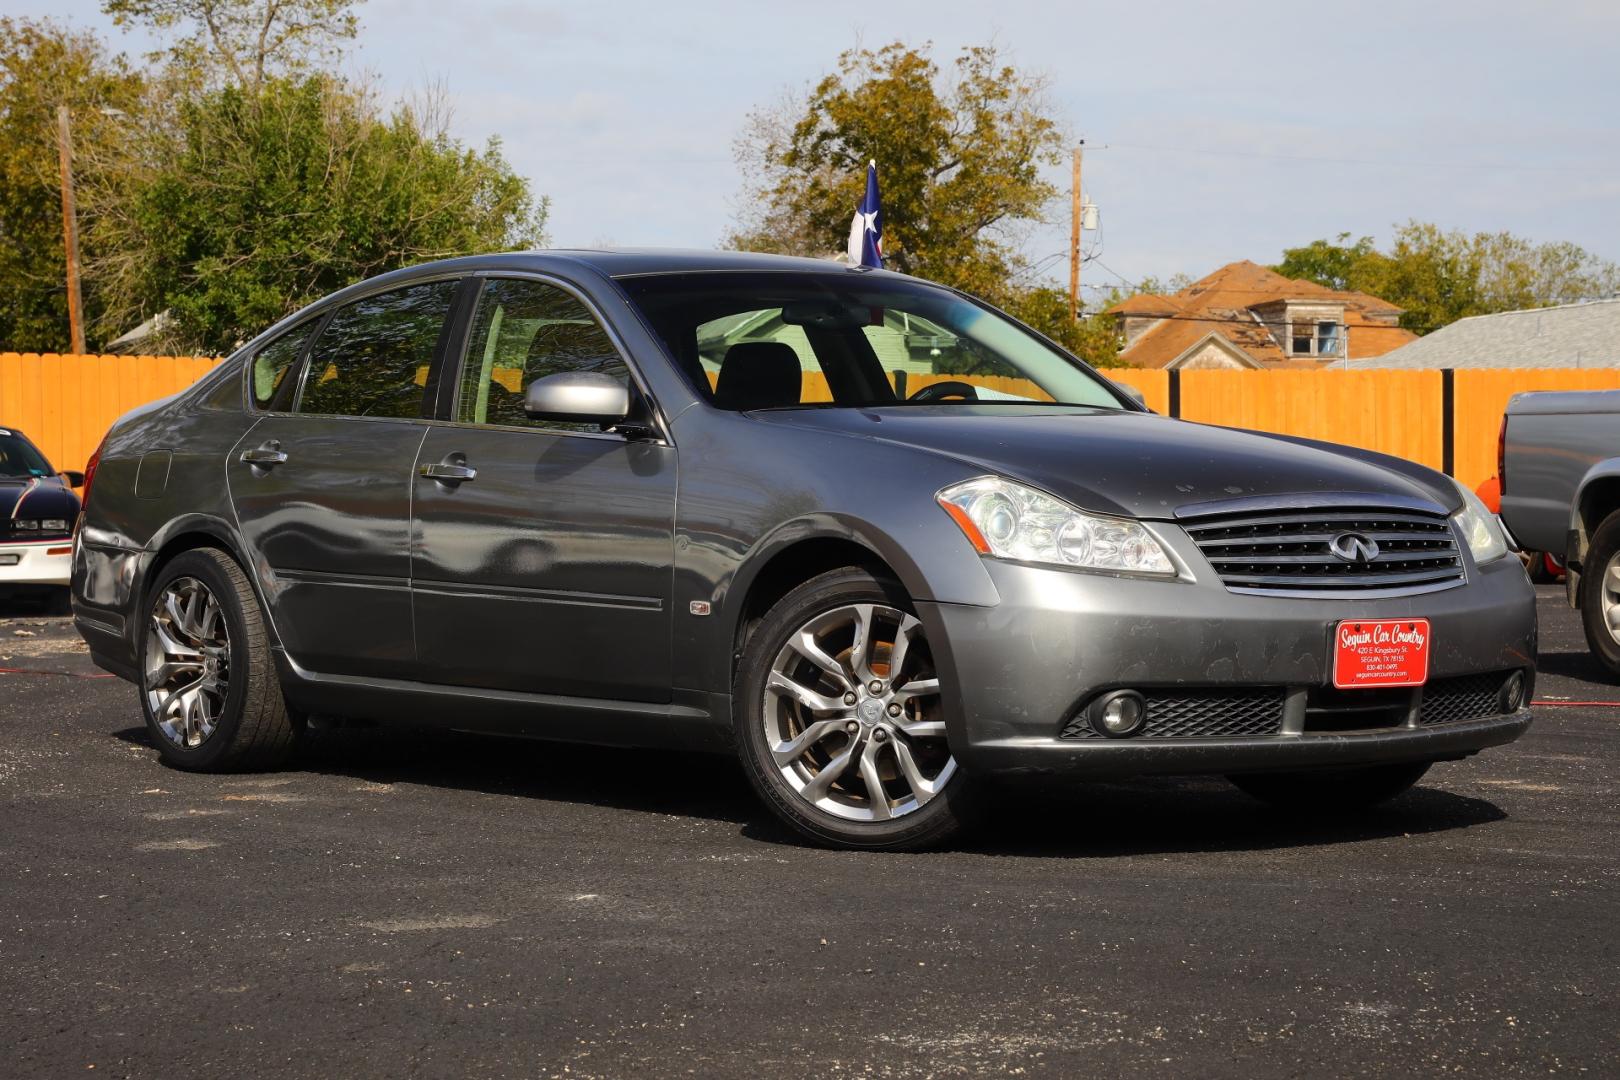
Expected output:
(869, 533)
(38, 510)
(1560, 491)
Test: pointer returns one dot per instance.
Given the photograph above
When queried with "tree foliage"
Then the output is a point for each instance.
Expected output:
(243, 206)
(243, 42)
(1439, 276)
(959, 160)
(43, 65)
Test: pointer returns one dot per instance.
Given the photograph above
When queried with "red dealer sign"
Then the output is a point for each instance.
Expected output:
(1393, 652)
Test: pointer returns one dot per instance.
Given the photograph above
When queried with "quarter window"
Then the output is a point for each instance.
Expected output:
(373, 357)
(272, 363)
(523, 331)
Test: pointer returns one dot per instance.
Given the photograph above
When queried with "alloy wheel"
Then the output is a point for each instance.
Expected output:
(1609, 596)
(188, 655)
(852, 714)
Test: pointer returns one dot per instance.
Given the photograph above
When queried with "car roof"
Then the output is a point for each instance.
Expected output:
(613, 262)
(608, 262)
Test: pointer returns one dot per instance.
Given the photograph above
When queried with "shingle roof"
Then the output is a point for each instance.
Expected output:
(1569, 336)
(1221, 301)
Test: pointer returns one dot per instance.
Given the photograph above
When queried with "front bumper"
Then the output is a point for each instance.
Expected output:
(36, 562)
(1025, 666)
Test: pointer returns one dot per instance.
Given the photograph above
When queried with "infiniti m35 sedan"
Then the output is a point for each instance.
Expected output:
(877, 539)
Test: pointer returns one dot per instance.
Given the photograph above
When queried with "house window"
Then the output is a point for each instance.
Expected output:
(1301, 339)
(1313, 338)
(1327, 339)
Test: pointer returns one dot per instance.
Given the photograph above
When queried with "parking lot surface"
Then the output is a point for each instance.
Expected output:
(440, 905)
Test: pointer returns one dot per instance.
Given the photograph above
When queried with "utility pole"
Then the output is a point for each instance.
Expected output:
(1074, 239)
(70, 230)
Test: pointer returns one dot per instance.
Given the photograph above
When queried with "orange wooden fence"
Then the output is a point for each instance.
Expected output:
(65, 403)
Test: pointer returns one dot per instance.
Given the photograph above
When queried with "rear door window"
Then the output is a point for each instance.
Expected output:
(373, 358)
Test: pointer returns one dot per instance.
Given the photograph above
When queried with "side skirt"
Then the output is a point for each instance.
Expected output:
(693, 721)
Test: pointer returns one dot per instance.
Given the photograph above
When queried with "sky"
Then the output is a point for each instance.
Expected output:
(1213, 132)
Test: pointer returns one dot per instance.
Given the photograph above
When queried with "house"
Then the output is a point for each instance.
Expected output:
(1246, 316)
(1584, 335)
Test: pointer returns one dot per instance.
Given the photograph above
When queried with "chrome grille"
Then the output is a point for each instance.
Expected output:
(1202, 713)
(1462, 697)
(1289, 550)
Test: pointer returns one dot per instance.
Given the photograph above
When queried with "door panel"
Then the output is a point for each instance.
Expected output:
(330, 522)
(323, 495)
(550, 570)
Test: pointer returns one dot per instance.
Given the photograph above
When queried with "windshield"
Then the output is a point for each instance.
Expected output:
(781, 340)
(19, 459)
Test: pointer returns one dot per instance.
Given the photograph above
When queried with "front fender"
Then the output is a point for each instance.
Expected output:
(937, 564)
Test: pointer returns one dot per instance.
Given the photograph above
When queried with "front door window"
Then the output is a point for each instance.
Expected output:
(523, 331)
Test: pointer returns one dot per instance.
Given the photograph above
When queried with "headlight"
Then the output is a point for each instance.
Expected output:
(40, 525)
(1011, 521)
(1480, 528)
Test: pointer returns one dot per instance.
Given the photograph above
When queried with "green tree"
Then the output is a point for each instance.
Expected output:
(243, 42)
(959, 160)
(243, 206)
(44, 65)
(1439, 276)
(1326, 262)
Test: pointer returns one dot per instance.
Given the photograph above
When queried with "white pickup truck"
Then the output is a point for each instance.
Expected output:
(1560, 472)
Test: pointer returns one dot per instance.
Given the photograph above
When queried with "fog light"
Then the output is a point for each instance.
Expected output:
(1512, 696)
(1119, 714)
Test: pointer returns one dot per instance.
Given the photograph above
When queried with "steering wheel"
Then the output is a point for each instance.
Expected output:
(948, 389)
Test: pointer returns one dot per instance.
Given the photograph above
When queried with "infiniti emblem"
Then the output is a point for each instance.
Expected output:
(1354, 547)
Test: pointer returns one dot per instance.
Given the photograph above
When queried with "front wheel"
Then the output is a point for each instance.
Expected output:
(1329, 790)
(839, 719)
(1600, 594)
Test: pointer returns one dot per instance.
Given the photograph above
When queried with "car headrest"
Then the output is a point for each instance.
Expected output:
(758, 375)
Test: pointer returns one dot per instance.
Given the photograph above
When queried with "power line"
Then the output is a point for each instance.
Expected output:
(1460, 166)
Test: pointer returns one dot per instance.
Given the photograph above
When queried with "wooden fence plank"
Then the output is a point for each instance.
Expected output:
(1482, 395)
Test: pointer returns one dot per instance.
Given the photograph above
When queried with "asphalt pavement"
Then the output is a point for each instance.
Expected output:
(403, 904)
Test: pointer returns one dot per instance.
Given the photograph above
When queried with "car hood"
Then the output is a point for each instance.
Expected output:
(1128, 463)
(46, 497)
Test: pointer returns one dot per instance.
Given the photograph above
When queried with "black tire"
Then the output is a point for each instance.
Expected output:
(929, 825)
(1599, 554)
(1331, 790)
(256, 729)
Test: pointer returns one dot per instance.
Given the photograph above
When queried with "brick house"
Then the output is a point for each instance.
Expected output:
(1245, 316)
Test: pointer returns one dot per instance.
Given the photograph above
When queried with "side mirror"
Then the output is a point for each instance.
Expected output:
(586, 397)
(74, 477)
(1134, 393)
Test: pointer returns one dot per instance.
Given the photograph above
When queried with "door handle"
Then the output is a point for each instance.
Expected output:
(447, 473)
(265, 456)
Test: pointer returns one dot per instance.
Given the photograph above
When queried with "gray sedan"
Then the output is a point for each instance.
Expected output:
(879, 540)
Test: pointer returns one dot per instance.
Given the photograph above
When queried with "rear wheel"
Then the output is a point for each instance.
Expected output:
(1600, 594)
(208, 689)
(1328, 790)
(839, 719)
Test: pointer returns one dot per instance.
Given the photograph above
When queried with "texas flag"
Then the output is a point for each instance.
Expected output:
(866, 230)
